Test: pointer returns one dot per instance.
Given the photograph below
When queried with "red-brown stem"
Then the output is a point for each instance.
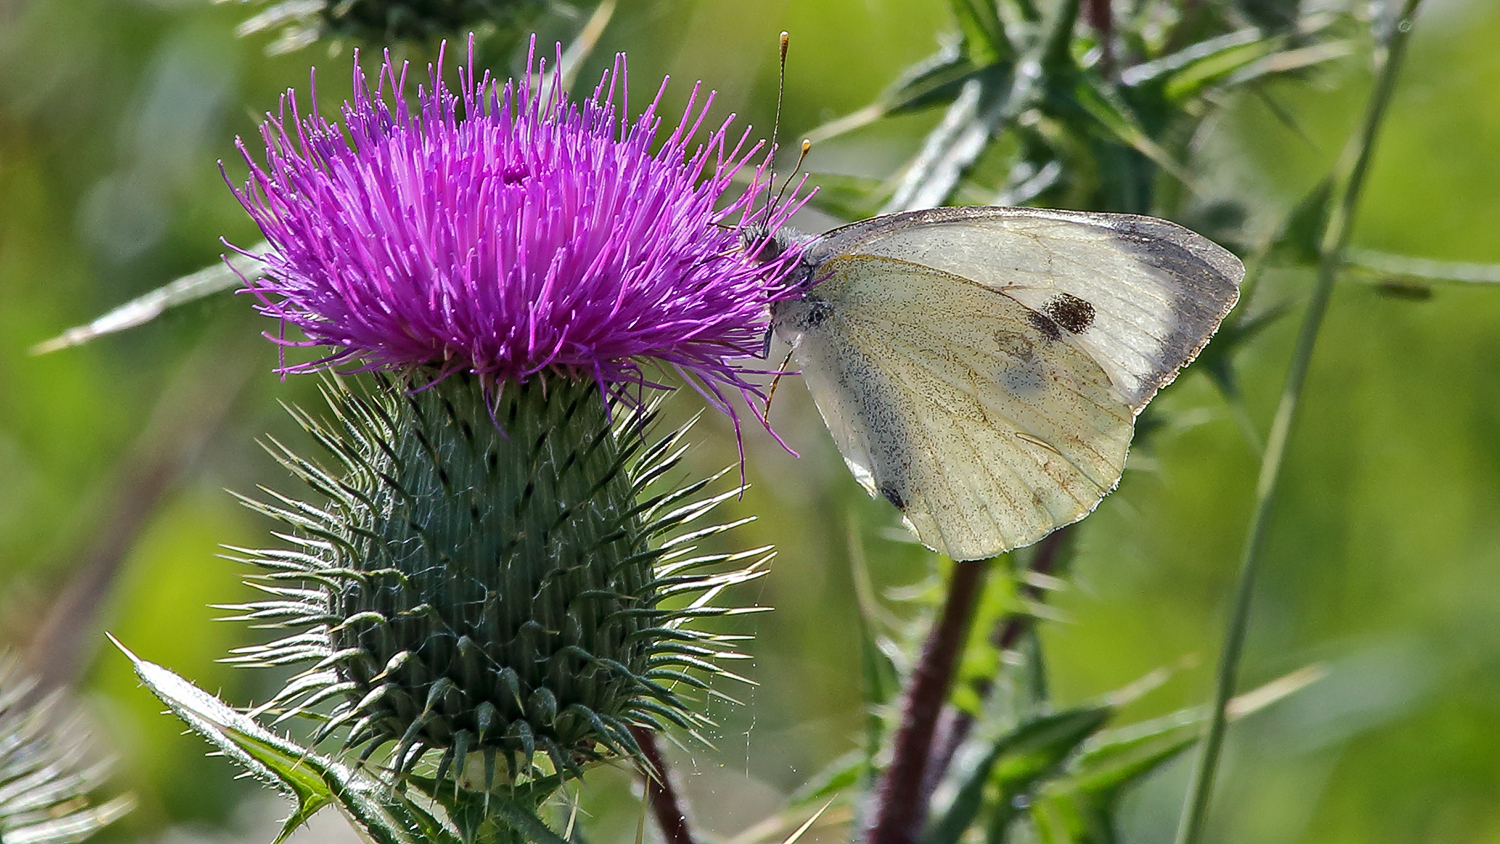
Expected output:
(670, 817)
(954, 724)
(1101, 18)
(898, 810)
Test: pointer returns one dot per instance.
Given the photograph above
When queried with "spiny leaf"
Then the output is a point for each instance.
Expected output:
(932, 81)
(1086, 95)
(984, 34)
(987, 102)
(311, 780)
(1013, 764)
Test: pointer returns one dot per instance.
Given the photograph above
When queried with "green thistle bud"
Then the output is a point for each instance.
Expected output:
(379, 20)
(303, 22)
(482, 577)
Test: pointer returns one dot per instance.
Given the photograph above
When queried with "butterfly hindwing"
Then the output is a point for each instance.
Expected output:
(956, 403)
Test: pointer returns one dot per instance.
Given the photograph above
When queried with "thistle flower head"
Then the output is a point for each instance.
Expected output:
(507, 231)
(487, 567)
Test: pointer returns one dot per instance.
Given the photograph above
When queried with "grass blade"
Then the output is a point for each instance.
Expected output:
(1350, 177)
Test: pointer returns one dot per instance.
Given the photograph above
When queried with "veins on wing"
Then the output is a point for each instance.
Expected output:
(976, 411)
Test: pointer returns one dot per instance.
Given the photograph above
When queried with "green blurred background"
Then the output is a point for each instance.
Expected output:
(1384, 558)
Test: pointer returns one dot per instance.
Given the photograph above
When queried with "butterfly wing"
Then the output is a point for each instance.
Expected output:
(991, 397)
(945, 398)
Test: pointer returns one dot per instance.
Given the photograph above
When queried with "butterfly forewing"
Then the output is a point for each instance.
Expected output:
(1140, 295)
(947, 398)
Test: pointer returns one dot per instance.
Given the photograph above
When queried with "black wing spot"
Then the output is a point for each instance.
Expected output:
(1043, 323)
(1070, 312)
(893, 495)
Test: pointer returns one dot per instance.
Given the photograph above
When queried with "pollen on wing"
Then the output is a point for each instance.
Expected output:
(507, 229)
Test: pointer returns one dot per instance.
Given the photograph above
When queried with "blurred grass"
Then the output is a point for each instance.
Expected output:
(1382, 555)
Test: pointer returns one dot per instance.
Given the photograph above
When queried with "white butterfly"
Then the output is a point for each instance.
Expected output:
(982, 368)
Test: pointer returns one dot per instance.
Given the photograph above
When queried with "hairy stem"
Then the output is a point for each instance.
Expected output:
(671, 819)
(898, 810)
(1349, 182)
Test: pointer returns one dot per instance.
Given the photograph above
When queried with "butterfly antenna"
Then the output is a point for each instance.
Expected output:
(780, 371)
(806, 148)
(786, 40)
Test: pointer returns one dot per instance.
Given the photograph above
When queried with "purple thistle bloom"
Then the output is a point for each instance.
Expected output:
(509, 232)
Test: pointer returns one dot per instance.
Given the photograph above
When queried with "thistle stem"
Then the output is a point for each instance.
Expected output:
(1349, 182)
(671, 818)
(898, 810)
(954, 724)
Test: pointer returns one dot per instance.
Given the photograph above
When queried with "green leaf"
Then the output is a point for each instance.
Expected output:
(1123, 756)
(1300, 239)
(1078, 806)
(843, 772)
(1014, 763)
(313, 781)
(1217, 360)
(1192, 80)
(987, 101)
(983, 32)
(1083, 94)
(268, 757)
(932, 81)
(1060, 819)
(1289, 62)
(1378, 267)
(1188, 63)
(508, 815)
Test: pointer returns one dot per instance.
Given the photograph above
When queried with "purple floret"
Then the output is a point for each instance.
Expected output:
(507, 231)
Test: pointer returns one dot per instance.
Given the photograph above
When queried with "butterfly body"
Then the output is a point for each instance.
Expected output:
(982, 368)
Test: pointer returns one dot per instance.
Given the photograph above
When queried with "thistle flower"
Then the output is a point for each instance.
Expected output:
(491, 571)
(507, 231)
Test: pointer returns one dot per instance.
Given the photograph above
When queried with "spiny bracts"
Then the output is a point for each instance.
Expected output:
(496, 573)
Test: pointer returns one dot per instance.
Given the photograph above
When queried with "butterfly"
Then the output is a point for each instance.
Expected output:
(982, 368)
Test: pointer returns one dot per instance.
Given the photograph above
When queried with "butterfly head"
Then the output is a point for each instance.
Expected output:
(764, 244)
